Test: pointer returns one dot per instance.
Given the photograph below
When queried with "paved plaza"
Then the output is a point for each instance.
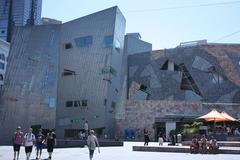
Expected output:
(115, 153)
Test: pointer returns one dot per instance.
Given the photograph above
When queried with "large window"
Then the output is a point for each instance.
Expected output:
(77, 103)
(2, 57)
(84, 41)
(69, 103)
(1, 65)
(108, 41)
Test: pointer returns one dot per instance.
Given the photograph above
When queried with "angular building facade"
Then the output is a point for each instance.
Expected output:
(59, 76)
(29, 94)
(91, 68)
(18, 13)
(172, 86)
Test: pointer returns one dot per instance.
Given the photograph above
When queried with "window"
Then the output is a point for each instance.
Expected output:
(68, 45)
(84, 102)
(68, 72)
(2, 66)
(2, 57)
(188, 82)
(2, 31)
(77, 104)
(69, 103)
(108, 41)
(1, 77)
(83, 41)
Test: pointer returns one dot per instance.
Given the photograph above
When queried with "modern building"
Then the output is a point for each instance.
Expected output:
(4, 50)
(77, 66)
(47, 21)
(134, 44)
(29, 94)
(91, 70)
(87, 69)
(172, 86)
(18, 13)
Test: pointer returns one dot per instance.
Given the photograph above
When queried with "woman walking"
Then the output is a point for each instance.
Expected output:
(29, 142)
(92, 141)
(51, 142)
(18, 140)
(146, 137)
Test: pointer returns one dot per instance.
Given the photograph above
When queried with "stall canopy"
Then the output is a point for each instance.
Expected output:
(227, 117)
(214, 115)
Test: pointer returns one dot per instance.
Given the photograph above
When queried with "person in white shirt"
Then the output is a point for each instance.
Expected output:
(29, 142)
(92, 142)
(86, 128)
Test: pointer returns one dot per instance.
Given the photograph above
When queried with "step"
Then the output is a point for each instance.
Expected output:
(182, 149)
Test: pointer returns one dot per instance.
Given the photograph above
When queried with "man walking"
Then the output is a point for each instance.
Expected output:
(92, 141)
(39, 143)
(29, 142)
(18, 140)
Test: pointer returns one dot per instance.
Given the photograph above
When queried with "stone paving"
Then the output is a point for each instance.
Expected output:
(115, 153)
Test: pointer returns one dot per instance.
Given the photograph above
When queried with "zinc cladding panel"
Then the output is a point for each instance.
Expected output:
(32, 58)
(87, 63)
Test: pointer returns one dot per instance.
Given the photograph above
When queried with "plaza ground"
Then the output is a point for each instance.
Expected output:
(115, 153)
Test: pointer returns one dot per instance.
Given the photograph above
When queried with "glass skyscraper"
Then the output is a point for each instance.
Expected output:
(18, 13)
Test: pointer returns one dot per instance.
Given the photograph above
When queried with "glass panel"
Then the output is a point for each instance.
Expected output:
(108, 41)
(83, 41)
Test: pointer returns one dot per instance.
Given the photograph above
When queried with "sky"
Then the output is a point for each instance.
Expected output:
(164, 23)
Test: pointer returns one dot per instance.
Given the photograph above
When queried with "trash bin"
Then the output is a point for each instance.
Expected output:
(179, 138)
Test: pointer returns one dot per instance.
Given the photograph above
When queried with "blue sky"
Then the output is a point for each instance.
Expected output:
(163, 28)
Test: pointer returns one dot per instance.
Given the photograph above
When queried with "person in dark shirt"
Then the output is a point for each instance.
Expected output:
(40, 138)
(146, 137)
(51, 142)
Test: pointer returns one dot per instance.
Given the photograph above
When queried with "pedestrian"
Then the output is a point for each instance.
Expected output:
(92, 142)
(160, 139)
(29, 142)
(40, 139)
(51, 142)
(146, 137)
(229, 131)
(86, 128)
(18, 140)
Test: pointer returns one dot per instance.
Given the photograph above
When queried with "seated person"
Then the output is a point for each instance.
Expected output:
(194, 147)
(203, 145)
(213, 146)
